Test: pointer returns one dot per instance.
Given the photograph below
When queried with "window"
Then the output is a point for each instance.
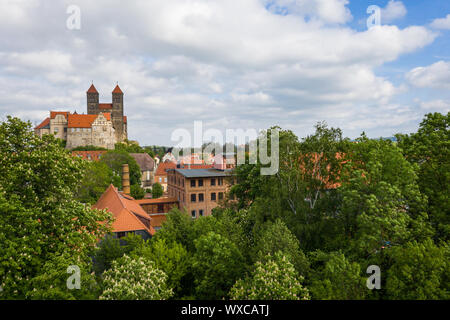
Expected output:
(160, 207)
(220, 181)
(56, 130)
(220, 195)
(213, 182)
(213, 196)
(160, 179)
(193, 213)
(121, 234)
(200, 183)
(192, 183)
(193, 197)
(200, 197)
(165, 179)
(200, 212)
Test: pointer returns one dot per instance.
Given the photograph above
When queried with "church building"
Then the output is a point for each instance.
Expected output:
(104, 125)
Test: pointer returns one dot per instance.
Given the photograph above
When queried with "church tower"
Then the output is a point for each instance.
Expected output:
(117, 113)
(92, 100)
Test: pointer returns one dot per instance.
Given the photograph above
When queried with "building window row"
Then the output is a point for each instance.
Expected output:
(194, 213)
(199, 182)
(201, 197)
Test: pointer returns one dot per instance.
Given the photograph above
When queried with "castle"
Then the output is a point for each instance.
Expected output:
(104, 125)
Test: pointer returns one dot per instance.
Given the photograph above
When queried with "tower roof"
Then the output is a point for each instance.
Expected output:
(92, 89)
(117, 90)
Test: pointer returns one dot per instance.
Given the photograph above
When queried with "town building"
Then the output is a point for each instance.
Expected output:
(147, 166)
(104, 125)
(198, 190)
(142, 217)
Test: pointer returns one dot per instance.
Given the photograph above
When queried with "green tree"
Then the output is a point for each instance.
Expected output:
(429, 150)
(51, 283)
(172, 258)
(39, 217)
(136, 191)
(157, 190)
(336, 278)
(381, 200)
(114, 159)
(275, 279)
(276, 237)
(134, 279)
(96, 179)
(419, 271)
(217, 264)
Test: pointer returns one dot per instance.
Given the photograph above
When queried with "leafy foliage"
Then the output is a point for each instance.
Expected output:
(40, 220)
(157, 190)
(275, 279)
(134, 279)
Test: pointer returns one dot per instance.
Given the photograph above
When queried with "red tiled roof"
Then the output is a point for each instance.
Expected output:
(105, 106)
(162, 167)
(53, 114)
(94, 155)
(84, 120)
(129, 215)
(92, 89)
(117, 90)
(44, 123)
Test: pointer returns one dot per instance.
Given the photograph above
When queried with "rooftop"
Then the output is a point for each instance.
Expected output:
(202, 173)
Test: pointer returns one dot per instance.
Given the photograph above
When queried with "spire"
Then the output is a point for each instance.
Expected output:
(92, 89)
(117, 89)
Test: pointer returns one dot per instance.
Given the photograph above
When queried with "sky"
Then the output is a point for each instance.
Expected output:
(231, 64)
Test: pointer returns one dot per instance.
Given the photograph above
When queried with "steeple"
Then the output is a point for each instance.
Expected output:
(92, 100)
(92, 89)
(117, 89)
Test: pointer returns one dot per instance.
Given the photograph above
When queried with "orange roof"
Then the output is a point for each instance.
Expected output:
(129, 216)
(44, 123)
(84, 120)
(162, 167)
(125, 119)
(157, 200)
(53, 114)
(117, 90)
(94, 155)
(105, 105)
(157, 219)
(92, 89)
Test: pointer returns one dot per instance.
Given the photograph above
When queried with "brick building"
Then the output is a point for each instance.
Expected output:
(197, 190)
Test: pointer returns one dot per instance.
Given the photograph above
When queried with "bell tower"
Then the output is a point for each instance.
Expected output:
(92, 100)
(117, 113)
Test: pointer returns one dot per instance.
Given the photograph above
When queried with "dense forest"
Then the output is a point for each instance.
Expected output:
(335, 207)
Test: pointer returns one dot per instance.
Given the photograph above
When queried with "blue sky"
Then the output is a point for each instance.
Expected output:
(231, 64)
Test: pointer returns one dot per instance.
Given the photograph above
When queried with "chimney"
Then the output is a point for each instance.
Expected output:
(125, 179)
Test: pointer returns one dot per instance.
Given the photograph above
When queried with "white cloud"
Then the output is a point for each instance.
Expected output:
(441, 23)
(179, 61)
(394, 10)
(435, 106)
(436, 75)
